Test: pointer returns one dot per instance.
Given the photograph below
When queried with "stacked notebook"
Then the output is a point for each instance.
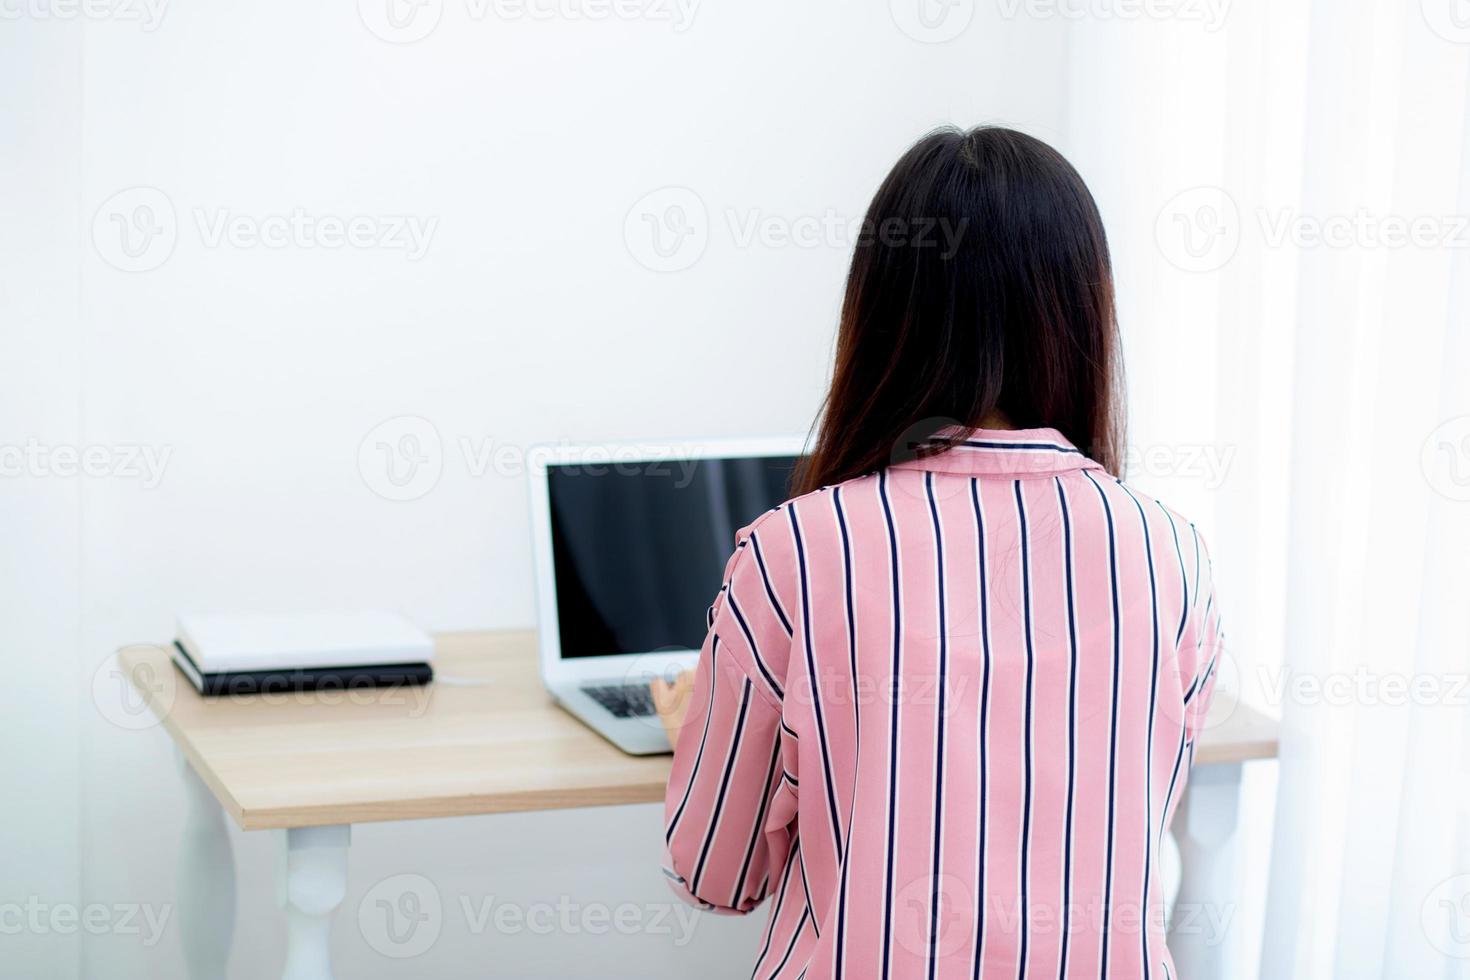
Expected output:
(267, 654)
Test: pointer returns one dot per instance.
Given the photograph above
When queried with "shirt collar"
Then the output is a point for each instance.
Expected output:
(1004, 452)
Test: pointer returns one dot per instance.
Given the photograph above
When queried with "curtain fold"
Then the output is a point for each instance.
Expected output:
(1326, 147)
(1365, 815)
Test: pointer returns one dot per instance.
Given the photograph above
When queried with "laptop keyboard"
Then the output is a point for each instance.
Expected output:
(623, 700)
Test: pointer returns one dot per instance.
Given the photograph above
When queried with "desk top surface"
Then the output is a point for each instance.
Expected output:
(495, 745)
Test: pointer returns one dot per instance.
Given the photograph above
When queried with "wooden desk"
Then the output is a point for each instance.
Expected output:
(311, 765)
(443, 750)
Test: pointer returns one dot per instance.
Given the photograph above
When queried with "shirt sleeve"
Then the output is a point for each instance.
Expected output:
(728, 763)
(1200, 650)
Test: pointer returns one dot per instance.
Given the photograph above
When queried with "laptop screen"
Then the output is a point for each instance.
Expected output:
(639, 548)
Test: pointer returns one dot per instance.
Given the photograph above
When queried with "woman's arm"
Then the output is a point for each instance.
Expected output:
(728, 750)
(1201, 646)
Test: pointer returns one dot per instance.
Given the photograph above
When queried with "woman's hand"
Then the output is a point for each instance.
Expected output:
(671, 700)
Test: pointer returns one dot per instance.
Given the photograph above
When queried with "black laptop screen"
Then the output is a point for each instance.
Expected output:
(639, 548)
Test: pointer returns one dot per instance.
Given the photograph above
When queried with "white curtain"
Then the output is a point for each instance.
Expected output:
(1370, 875)
(1288, 194)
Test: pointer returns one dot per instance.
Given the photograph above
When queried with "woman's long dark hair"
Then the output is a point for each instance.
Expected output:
(980, 286)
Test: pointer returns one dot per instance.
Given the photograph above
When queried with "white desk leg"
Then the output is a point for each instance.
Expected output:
(206, 882)
(1169, 874)
(1204, 828)
(313, 884)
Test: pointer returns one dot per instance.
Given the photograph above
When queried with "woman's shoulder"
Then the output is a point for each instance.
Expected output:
(792, 514)
(1119, 491)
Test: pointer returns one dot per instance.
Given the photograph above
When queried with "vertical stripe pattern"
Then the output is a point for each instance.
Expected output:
(943, 715)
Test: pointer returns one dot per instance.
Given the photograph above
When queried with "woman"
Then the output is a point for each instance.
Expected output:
(950, 693)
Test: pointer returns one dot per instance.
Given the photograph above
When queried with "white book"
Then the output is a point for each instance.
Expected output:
(227, 643)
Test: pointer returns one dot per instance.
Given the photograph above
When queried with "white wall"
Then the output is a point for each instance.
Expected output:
(40, 536)
(260, 371)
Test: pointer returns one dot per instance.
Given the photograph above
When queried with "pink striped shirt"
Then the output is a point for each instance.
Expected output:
(942, 718)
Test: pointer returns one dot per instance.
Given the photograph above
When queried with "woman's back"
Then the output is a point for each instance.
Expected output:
(948, 710)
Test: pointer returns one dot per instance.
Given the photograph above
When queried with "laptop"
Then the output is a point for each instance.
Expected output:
(631, 543)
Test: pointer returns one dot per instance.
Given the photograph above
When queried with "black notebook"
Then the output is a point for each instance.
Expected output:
(257, 682)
